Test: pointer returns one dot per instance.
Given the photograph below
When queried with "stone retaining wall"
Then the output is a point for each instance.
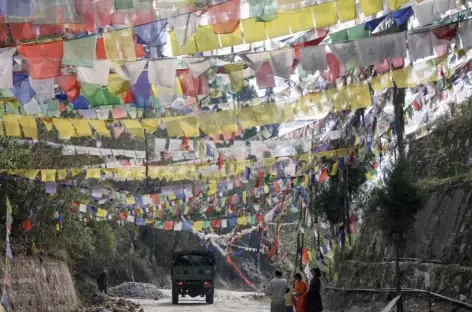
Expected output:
(40, 288)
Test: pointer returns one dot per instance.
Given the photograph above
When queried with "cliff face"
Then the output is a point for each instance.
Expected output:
(39, 288)
(442, 231)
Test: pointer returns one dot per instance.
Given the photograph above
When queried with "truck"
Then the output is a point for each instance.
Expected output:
(193, 274)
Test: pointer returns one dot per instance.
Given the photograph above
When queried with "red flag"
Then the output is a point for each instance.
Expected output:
(260, 178)
(305, 257)
(27, 225)
(324, 175)
(216, 224)
(3, 29)
(265, 77)
(168, 225)
(69, 85)
(44, 59)
(224, 18)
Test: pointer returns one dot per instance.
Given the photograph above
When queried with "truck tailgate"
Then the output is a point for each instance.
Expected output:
(184, 273)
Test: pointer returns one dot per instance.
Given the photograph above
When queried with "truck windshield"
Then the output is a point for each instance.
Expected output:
(193, 260)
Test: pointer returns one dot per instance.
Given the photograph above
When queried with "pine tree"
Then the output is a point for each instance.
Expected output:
(397, 205)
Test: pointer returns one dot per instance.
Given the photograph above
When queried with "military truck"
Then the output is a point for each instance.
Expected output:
(193, 274)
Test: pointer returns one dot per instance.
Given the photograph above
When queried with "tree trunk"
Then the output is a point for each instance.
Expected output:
(347, 224)
(398, 103)
(398, 277)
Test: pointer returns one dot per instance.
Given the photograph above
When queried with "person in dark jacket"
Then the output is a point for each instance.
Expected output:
(102, 282)
(313, 297)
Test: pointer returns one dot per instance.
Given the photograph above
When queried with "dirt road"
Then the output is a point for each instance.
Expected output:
(225, 301)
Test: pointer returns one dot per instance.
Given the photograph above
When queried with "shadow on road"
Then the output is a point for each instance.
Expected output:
(190, 303)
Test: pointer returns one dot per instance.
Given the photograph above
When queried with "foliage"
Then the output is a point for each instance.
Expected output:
(397, 204)
(447, 150)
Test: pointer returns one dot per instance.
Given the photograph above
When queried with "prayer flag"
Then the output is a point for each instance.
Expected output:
(80, 52)
(152, 34)
(119, 45)
(224, 17)
(44, 59)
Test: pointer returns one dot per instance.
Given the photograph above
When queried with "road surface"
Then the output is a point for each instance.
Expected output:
(225, 301)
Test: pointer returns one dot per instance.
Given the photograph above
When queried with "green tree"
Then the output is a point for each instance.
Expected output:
(396, 206)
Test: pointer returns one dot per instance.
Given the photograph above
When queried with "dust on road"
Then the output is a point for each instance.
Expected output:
(225, 301)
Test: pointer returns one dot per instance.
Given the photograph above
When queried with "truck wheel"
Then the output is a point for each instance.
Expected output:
(175, 297)
(209, 298)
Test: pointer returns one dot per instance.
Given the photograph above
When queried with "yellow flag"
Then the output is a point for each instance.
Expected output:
(102, 213)
(235, 73)
(198, 226)
(122, 173)
(302, 20)
(242, 221)
(395, 4)
(151, 124)
(235, 38)
(117, 85)
(64, 127)
(370, 7)
(119, 45)
(189, 125)
(278, 27)
(334, 170)
(138, 173)
(206, 39)
(325, 14)
(48, 123)
(61, 174)
(247, 118)
(28, 123)
(100, 127)
(133, 127)
(265, 113)
(212, 187)
(74, 172)
(253, 31)
(12, 126)
(381, 82)
(82, 127)
(31, 174)
(48, 175)
(173, 126)
(404, 78)
(346, 10)
(130, 200)
(93, 173)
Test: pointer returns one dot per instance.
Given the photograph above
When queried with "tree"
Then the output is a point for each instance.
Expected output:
(397, 205)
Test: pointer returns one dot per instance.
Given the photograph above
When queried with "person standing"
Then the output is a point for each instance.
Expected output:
(276, 292)
(301, 287)
(288, 300)
(102, 282)
(313, 297)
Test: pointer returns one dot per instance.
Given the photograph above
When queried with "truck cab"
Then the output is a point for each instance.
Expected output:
(193, 274)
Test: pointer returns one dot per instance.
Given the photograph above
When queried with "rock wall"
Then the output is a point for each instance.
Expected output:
(40, 288)
(442, 231)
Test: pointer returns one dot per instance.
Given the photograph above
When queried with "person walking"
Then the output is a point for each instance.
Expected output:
(276, 292)
(299, 293)
(313, 297)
